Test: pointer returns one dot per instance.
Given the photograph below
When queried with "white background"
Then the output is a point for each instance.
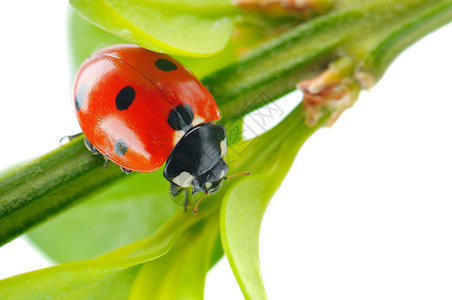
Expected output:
(365, 212)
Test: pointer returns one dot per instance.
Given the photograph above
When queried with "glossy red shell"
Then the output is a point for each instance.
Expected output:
(143, 126)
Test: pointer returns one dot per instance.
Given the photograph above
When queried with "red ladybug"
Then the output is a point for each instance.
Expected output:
(139, 108)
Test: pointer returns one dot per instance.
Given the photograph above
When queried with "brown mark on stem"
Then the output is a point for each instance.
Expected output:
(332, 91)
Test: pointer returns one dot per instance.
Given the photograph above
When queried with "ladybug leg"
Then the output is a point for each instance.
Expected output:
(186, 200)
(107, 160)
(67, 138)
(127, 171)
(176, 190)
(95, 151)
(90, 147)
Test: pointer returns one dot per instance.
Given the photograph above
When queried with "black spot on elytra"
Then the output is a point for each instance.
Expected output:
(165, 65)
(181, 117)
(125, 98)
(80, 96)
(120, 147)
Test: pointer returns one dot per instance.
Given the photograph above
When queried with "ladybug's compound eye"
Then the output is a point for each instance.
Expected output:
(214, 186)
(210, 181)
(181, 117)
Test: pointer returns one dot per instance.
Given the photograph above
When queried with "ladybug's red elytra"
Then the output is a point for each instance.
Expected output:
(140, 108)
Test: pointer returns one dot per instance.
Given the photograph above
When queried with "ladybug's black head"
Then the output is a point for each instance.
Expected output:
(210, 181)
(197, 159)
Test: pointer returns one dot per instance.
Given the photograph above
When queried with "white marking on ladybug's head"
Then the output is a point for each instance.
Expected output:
(208, 185)
(178, 134)
(222, 173)
(198, 120)
(184, 179)
(224, 147)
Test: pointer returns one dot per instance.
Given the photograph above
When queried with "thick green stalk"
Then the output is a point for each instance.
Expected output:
(428, 17)
(372, 35)
(36, 191)
(369, 34)
(275, 67)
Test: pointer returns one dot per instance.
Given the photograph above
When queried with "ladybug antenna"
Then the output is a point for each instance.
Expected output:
(195, 209)
(246, 173)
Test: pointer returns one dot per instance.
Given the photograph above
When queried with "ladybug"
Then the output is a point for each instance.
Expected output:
(140, 108)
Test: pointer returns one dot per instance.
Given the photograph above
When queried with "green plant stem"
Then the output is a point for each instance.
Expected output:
(422, 20)
(372, 35)
(274, 68)
(369, 34)
(36, 191)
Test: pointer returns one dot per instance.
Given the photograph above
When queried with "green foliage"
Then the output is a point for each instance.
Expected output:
(179, 254)
(81, 47)
(181, 273)
(250, 31)
(125, 208)
(244, 206)
(187, 28)
(127, 239)
(107, 277)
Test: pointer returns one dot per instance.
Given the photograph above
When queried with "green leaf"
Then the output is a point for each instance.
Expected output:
(195, 28)
(92, 279)
(180, 274)
(133, 208)
(244, 205)
(88, 282)
(86, 38)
